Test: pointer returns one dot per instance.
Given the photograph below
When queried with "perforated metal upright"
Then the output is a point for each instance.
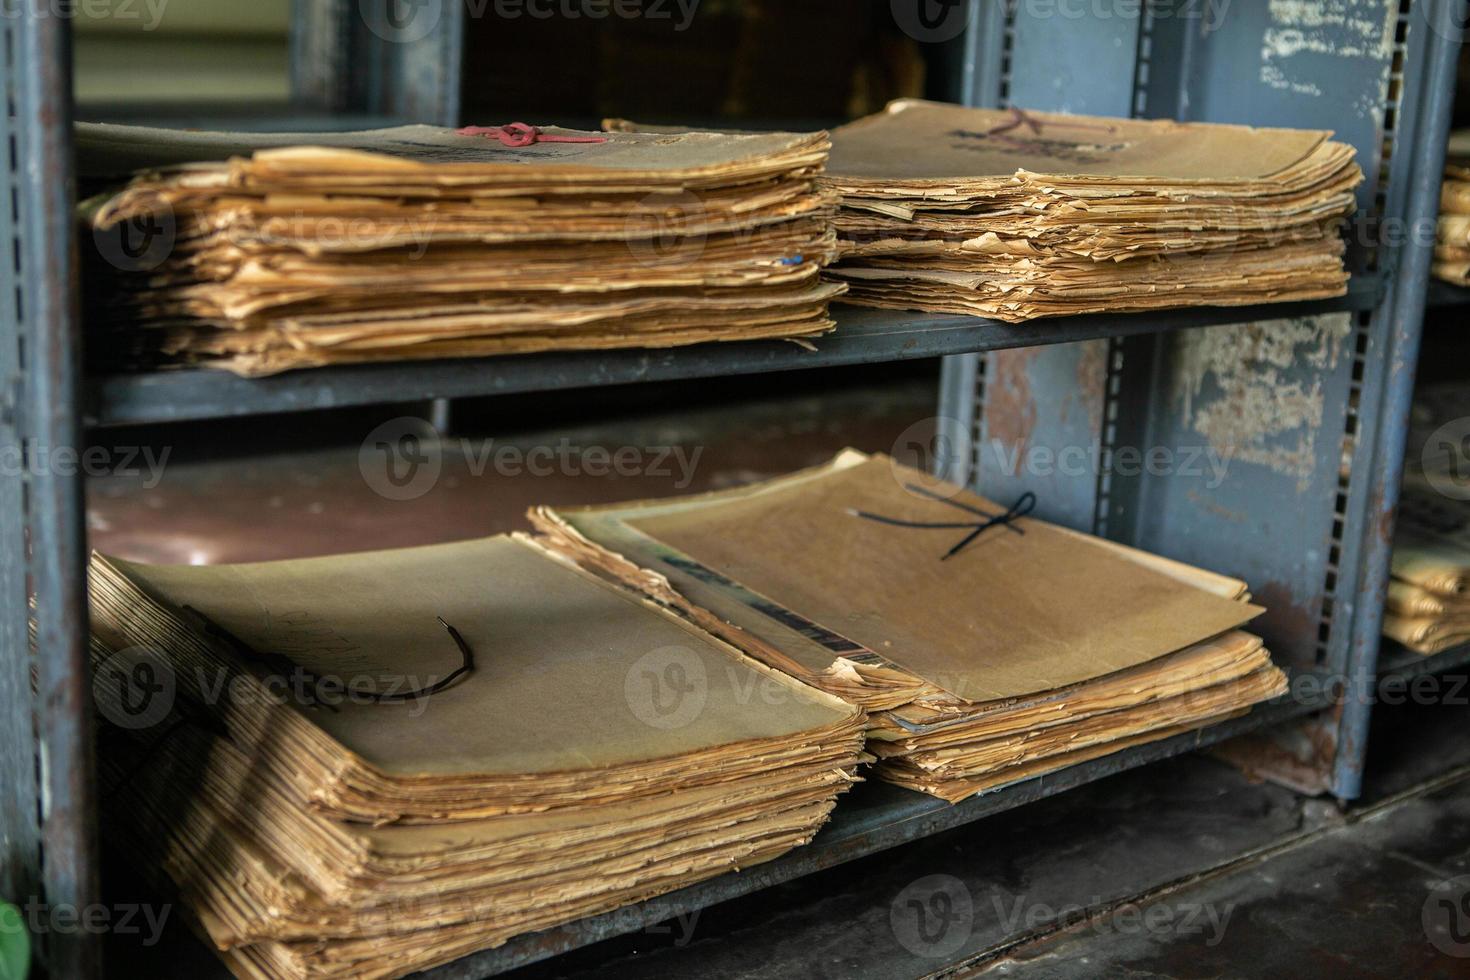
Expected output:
(1305, 415)
(48, 847)
(404, 68)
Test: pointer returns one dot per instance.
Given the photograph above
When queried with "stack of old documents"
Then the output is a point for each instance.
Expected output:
(367, 765)
(988, 647)
(258, 254)
(1429, 591)
(1452, 245)
(1015, 215)
(1428, 607)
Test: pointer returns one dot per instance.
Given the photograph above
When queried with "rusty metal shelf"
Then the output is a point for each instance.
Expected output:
(863, 336)
(1396, 660)
(1442, 294)
(1391, 101)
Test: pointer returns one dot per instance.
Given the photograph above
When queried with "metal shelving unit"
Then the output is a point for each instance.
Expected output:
(1306, 515)
(863, 336)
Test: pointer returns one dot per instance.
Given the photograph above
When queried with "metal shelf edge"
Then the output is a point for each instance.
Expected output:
(864, 336)
(1442, 294)
(1401, 662)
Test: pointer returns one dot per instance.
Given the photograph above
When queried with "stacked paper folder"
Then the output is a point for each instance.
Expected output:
(1429, 590)
(1428, 606)
(1452, 244)
(987, 647)
(260, 254)
(1016, 215)
(372, 764)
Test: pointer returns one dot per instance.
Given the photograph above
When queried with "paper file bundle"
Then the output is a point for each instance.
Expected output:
(268, 253)
(1452, 240)
(373, 764)
(988, 648)
(1428, 604)
(370, 764)
(1016, 215)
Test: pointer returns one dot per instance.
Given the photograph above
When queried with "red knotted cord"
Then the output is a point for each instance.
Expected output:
(518, 134)
(1020, 117)
(1031, 144)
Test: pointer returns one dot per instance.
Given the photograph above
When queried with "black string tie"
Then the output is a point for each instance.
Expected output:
(190, 714)
(285, 667)
(1023, 506)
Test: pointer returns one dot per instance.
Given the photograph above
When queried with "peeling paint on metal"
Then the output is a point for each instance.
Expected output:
(1290, 756)
(1092, 383)
(1010, 411)
(1205, 502)
(1353, 29)
(1289, 618)
(1236, 387)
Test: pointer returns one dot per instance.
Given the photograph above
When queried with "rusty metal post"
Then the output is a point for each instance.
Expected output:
(43, 349)
(1394, 354)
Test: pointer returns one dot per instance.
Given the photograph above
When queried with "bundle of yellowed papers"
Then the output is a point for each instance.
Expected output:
(368, 765)
(1020, 650)
(1428, 605)
(1429, 589)
(260, 254)
(1016, 215)
(1452, 241)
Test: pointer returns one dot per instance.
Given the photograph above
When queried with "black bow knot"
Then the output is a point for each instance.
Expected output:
(1023, 506)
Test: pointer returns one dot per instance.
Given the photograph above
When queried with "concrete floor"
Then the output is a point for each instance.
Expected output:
(1381, 889)
(1187, 869)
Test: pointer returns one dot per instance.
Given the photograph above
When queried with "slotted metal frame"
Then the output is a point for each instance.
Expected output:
(50, 828)
(48, 849)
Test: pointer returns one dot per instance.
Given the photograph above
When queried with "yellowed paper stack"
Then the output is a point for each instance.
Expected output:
(985, 653)
(1428, 603)
(368, 765)
(1429, 591)
(277, 252)
(1016, 215)
(1452, 244)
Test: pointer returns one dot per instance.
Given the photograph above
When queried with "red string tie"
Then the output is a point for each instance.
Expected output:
(1020, 117)
(516, 135)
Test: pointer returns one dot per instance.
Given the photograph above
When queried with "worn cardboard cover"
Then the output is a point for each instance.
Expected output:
(1003, 666)
(1072, 610)
(106, 150)
(915, 139)
(285, 251)
(1016, 214)
(549, 642)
